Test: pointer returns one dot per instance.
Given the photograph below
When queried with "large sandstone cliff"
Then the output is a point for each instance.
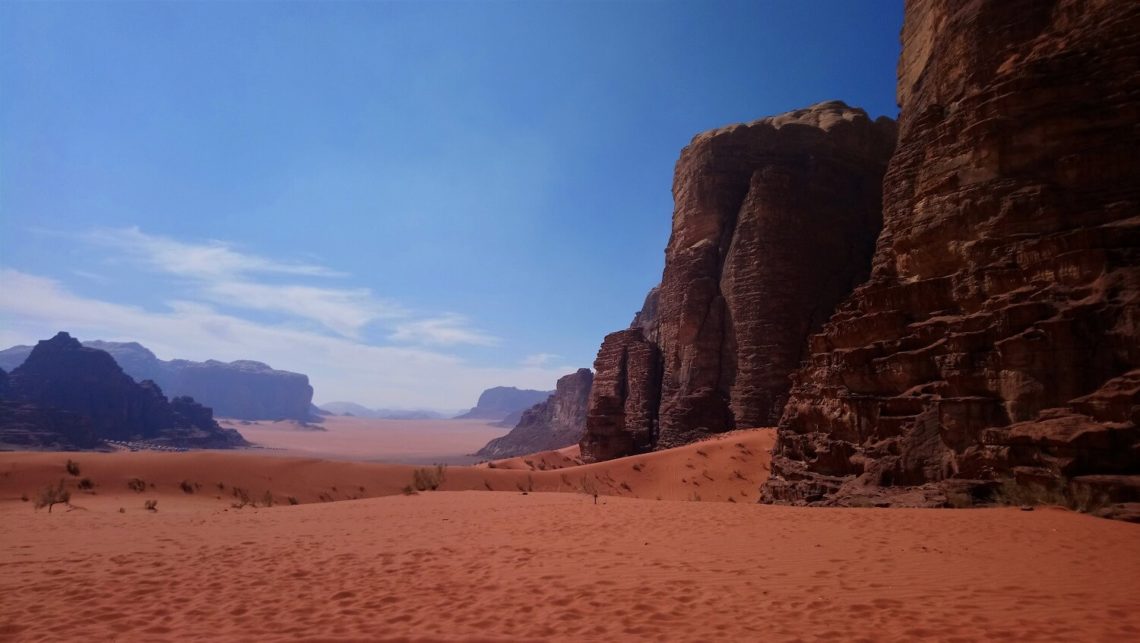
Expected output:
(999, 334)
(774, 223)
(557, 422)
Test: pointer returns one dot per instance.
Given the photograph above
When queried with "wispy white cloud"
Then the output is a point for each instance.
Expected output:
(446, 330)
(539, 359)
(210, 260)
(221, 274)
(32, 307)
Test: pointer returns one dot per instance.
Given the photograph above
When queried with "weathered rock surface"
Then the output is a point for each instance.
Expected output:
(774, 224)
(501, 401)
(244, 390)
(65, 394)
(999, 334)
(557, 422)
(621, 417)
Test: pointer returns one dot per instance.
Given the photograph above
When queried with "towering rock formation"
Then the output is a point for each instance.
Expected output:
(555, 423)
(502, 401)
(774, 223)
(61, 381)
(244, 389)
(999, 334)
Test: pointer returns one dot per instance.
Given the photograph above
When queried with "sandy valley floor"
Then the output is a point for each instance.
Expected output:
(463, 563)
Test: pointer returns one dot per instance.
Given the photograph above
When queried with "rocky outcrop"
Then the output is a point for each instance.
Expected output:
(621, 417)
(497, 403)
(80, 396)
(555, 423)
(244, 390)
(999, 335)
(774, 224)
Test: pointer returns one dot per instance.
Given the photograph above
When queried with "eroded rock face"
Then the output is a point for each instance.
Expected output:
(82, 396)
(557, 422)
(774, 223)
(999, 334)
(622, 413)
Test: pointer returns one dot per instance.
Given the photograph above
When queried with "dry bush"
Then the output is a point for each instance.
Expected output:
(242, 496)
(408, 490)
(151, 505)
(429, 479)
(53, 495)
(136, 485)
(293, 500)
(86, 484)
(1076, 497)
(590, 488)
(267, 499)
(186, 486)
(72, 467)
(625, 485)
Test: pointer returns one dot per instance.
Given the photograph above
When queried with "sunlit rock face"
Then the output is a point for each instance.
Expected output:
(999, 334)
(555, 423)
(774, 223)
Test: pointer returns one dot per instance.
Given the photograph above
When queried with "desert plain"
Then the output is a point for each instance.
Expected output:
(673, 547)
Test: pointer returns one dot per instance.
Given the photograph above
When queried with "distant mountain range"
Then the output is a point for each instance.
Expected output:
(67, 396)
(357, 410)
(504, 404)
(243, 390)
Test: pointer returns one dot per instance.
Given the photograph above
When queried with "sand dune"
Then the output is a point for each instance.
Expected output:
(464, 564)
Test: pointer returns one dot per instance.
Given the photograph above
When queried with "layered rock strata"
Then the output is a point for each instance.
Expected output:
(774, 223)
(557, 422)
(999, 335)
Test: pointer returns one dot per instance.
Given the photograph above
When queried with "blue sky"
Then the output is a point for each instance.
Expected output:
(409, 202)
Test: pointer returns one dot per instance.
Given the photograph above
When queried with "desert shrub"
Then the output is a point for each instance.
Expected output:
(221, 486)
(242, 496)
(151, 505)
(53, 495)
(590, 488)
(267, 499)
(408, 490)
(293, 500)
(429, 479)
(72, 467)
(325, 497)
(24, 497)
(86, 484)
(625, 485)
(186, 486)
(136, 485)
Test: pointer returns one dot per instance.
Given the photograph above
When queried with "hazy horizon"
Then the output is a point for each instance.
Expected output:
(408, 202)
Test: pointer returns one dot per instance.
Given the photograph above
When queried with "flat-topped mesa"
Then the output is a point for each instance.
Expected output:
(774, 223)
(998, 335)
(555, 423)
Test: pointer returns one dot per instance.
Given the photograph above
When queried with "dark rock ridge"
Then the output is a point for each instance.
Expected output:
(555, 423)
(774, 223)
(999, 334)
(244, 390)
(68, 395)
(499, 402)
